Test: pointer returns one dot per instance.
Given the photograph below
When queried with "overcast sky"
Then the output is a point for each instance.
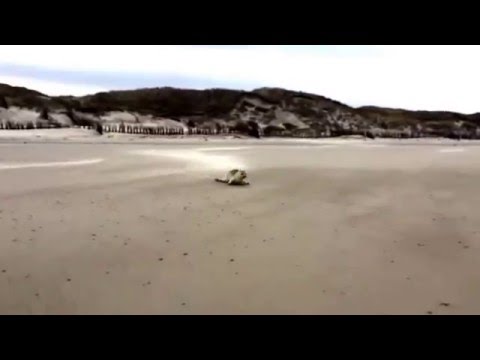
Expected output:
(413, 76)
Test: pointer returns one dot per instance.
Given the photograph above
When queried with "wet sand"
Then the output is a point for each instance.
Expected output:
(335, 228)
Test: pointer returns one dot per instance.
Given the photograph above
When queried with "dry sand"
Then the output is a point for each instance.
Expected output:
(327, 227)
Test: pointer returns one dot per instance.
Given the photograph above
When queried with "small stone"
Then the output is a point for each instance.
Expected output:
(160, 259)
(183, 304)
(4, 271)
(108, 272)
(37, 294)
(232, 260)
(445, 304)
(185, 254)
(429, 312)
(69, 279)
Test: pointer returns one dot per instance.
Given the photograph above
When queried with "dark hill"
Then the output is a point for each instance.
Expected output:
(273, 111)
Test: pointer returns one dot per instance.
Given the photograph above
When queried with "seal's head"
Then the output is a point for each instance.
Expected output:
(242, 174)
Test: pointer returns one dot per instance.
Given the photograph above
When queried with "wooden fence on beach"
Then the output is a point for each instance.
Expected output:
(125, 128)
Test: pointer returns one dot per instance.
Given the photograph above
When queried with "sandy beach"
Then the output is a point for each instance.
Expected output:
(122, 225)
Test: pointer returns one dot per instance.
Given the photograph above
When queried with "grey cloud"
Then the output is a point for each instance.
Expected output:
(111, 80)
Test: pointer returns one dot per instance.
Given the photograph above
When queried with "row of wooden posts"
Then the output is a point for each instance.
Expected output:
(29, 126)
(133, 129)
(147, 130)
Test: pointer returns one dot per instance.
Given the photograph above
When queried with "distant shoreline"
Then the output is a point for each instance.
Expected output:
(86, 136)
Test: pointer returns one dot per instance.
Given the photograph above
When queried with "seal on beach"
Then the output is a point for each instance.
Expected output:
(235, 177)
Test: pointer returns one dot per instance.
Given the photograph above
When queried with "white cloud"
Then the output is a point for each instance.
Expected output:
(414, 77)
(50, 87)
